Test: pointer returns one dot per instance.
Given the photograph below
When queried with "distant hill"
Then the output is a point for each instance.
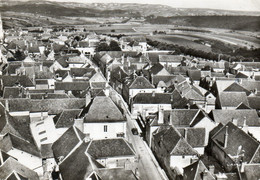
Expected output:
(26, 13)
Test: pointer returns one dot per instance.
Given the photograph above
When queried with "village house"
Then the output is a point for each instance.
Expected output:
(102, 119)
(233, 147)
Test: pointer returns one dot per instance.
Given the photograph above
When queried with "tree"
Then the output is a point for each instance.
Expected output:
(114, 46)
(103, 47)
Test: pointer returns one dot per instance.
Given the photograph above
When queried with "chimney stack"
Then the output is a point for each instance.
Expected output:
(234, 121)
(212, 169)
(153, 94)
(185, 133)
(161, 115)
(7, 105)
(245, 126)
(226, 137)
(205, 175)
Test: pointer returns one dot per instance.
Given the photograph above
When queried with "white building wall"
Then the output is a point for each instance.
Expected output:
(200, 150)
(134, 92)
(145, 109)
(180, 162)
(96, 130)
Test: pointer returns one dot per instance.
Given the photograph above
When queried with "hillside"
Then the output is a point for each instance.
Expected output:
(44, 13)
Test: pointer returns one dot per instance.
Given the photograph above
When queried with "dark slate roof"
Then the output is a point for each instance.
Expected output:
(48, 96)
(194, 75)
(156, 68)
(153, 98)
(80, 72)
(70, 86)
(16, 176)
(179, 102)
(225, 116)
(254, 102)
(195, 170)
(13, 92)
(41, 81)
(116, 173)
(31, 91)
(237, 137)
(118, 74)
(141, 83)
(103, 109)
(243, 106)
(107, 148)
(46, 151)
(10, 81)
(11, 165)
(11, 141)
(173, 142)
(235, 87)
(19, 126)
(65, 144)
(52, 106)
(182, 117)
(252, 171)
(78, 165)
(66, 118)
(195, 136)
(232, 99)
(250, 85)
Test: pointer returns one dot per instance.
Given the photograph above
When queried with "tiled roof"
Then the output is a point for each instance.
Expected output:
(52, 106)
(103, 109)
(66, 118)
(236, 137)
(46, 151)
(14, 80)
(11, 165)
(141, 83)
(194, 171)
(153, 98)
(65, 144)
(156, 79)
(109, 148)
(195, 136)
(182, 117)
(194, 75)
(252, 171)
(11, 141)
(13, 92)
(48, 95)
(173, 142)
(232, 99)
(69, 86)
(78, 165)
(156, 68)
(225, 116)
(254, 102)
(235, 87)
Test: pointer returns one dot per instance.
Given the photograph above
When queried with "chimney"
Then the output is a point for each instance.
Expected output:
(7, 105)
(212, 169)
(171, 97)
(153, 94)
(161, 115)
(205, 175)
(245, 126)
(41, 116)
(234, 121)
(226, 137)
(255, 91)
(185, 133)
(221, 176)
(188, 106)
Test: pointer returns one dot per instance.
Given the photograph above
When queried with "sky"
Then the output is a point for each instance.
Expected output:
(243, 5)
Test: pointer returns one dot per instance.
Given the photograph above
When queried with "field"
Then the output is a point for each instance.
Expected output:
(180, 41)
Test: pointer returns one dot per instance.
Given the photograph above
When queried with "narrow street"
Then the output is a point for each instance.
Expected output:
(148, 168)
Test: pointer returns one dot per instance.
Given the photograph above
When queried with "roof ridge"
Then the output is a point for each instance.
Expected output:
(129, 146)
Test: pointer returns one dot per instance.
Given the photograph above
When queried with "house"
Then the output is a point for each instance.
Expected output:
(117, 78)
(231, 100)
(79, 165)
(13, 92)
(98, 81)
(232, 147)
(12, 169)
(139, 85)
(194, 75)
(145, 103)
(25, 152)
(247, 119)
(197, 171)
(23, 80)
(103, 119)
(172, 150)
(113, 153)
(48, 160)
(133, 43)
(170, 60)
(195, 118)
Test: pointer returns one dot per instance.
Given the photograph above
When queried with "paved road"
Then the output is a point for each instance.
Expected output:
(148, 168)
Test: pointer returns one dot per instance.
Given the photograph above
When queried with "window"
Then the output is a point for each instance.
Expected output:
(42, 132)
(183, 157)
(105, 128)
